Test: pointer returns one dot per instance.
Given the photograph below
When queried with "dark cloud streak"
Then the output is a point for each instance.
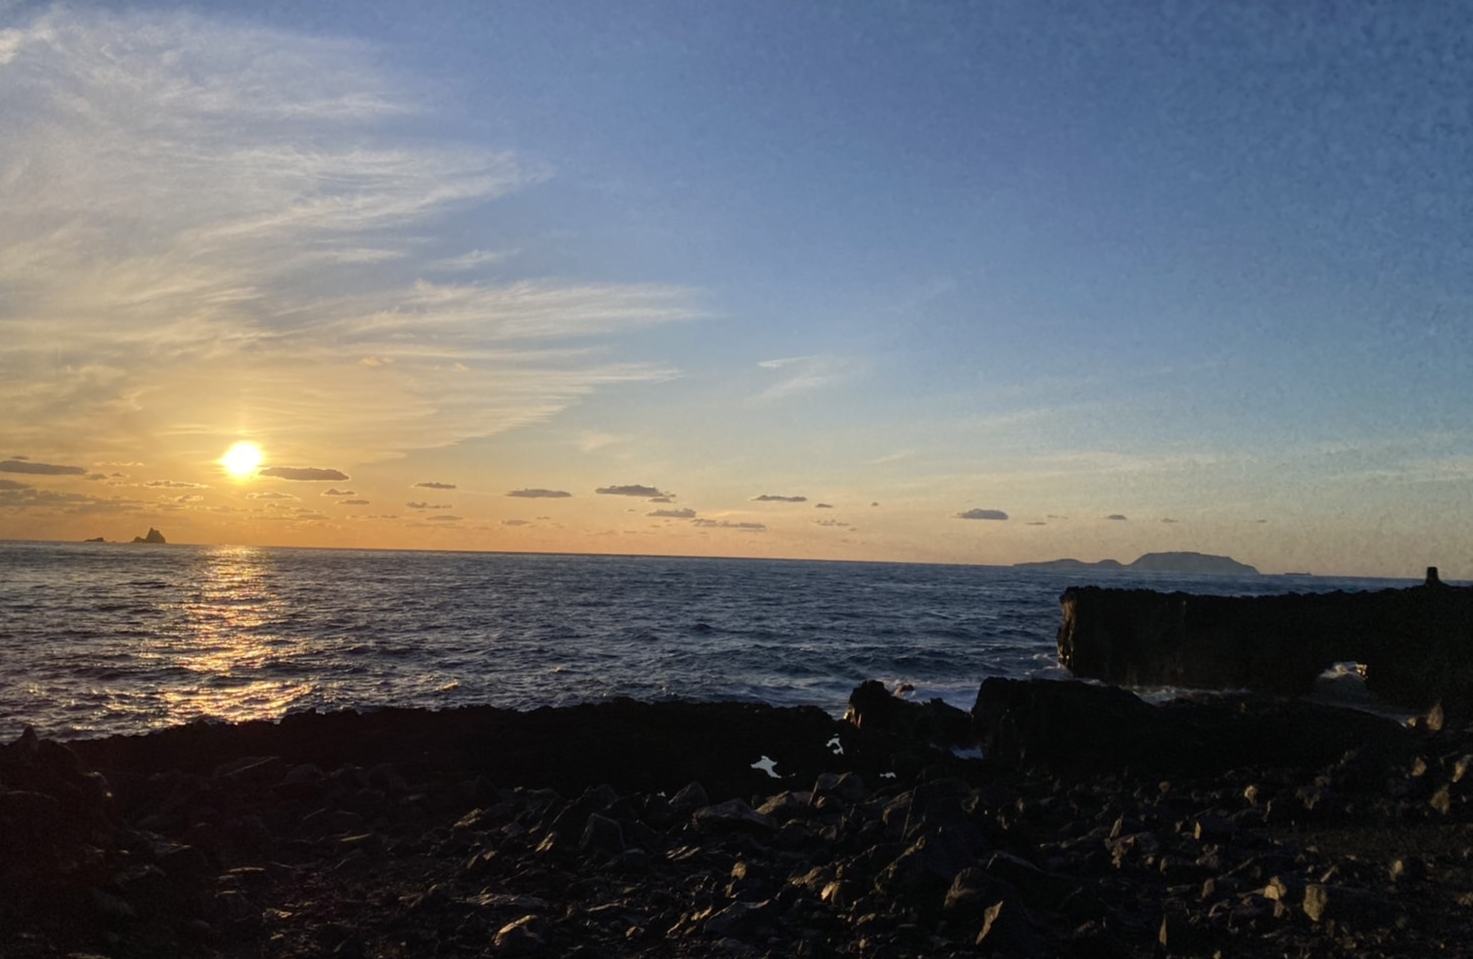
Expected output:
(304, 474)
(995, 514)
(645, 491)
(24, 465)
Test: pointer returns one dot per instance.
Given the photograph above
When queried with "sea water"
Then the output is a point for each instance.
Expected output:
(109, 638)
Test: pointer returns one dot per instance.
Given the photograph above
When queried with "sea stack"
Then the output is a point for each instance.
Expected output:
(154, 536)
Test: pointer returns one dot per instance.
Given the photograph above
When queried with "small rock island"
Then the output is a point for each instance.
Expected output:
(154, 536)
(1182, 562)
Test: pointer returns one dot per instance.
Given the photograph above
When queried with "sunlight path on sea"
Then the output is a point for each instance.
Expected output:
(228, 639)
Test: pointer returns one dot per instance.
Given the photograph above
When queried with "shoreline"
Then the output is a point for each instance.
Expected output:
(1096, 826)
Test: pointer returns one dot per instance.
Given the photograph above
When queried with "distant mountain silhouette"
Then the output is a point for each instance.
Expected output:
(1184, 562)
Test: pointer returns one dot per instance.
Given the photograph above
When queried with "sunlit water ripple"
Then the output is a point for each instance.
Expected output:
(102, 638)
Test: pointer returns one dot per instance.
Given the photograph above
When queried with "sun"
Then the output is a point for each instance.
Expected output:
(241, 460)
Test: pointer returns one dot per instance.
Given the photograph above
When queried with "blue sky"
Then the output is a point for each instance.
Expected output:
(1203, 266)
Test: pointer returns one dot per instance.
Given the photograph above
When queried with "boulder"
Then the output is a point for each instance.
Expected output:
(1073, 725)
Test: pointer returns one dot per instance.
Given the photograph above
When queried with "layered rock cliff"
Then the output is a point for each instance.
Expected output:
(1416, 644)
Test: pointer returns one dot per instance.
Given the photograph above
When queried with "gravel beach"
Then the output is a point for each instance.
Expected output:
(1095, 826)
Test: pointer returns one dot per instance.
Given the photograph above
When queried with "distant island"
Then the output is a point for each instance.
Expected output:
(154, 536)
(1154, 563)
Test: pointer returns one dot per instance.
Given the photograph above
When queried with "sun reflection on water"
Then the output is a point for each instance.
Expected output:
(229, 638)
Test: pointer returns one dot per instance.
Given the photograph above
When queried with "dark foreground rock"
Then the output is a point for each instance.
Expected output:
(643, 830)
(1416, 644)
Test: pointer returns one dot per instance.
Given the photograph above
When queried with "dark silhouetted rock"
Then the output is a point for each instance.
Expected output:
(154, 536)
(1081, 729)
(1085, 727)
(1416, 644)
(889, 735)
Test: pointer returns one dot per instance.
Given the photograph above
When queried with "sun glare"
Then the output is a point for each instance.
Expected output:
(241, 460)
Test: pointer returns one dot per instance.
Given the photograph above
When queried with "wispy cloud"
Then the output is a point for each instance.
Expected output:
(804, 374)
(198, 212)
(729, 524)
(173, 484)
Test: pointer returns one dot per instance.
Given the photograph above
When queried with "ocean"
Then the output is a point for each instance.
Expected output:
(98, 639)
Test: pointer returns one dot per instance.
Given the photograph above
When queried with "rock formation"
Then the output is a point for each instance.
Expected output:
(154, 536)
(1416, 644)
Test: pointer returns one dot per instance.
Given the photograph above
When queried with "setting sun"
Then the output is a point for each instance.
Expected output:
(241, 460)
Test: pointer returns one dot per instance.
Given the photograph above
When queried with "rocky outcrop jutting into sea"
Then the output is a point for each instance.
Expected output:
(1416, 644)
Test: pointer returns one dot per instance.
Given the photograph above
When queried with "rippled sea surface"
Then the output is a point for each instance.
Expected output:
(106, 638)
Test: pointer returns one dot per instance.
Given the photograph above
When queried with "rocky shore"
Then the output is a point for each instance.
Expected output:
(1096, 826)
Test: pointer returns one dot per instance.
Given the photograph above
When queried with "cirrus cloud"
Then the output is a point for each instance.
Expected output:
(226, 257)
(804, 374)
(728, 524)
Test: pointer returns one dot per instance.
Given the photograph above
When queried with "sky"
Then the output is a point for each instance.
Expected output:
(891, 280)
